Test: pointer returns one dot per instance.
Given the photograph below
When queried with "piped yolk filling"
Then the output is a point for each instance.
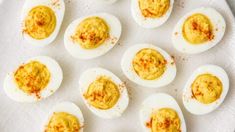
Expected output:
(149, 64)
(91, 33)
(32, 77)
(62, 122)
(154, 8)
(198, 29)
(103, 93)
(164, 120)
(40, 22)
(207, 88)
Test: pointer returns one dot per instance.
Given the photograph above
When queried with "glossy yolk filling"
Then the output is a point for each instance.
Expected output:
(198, 29)
(40, 22)
(154, 8)
(207, 88)
(32, 77)
(149, 64)
(63, 122)
(103, 93)
(91, 33)
(164, 120)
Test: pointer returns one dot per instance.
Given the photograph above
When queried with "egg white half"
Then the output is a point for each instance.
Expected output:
(59, 13)
(127, 68)
(91, 75)
(219, 27)
(67, 107)
(78, 52)
(158, 101)
(16, 94)
(194, 106)
(149, 22)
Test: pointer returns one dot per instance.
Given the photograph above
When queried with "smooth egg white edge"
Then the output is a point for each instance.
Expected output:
(127, 68)
(67, 107)
(78, 52)
(149, 22)
(91, 75)
(194, 106)
(158, 101)
(59, 13)
(16, 94)
(184, 46)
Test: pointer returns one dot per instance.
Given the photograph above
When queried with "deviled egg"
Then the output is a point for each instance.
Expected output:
(103, 93)
(41, 20)
(161, 113)
(36, 79)
(151, 13)
(148, 66)
(92, 36)
(198, 31)
(206, 89)
(64, 117)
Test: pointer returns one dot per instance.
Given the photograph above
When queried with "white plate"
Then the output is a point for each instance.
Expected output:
(29, 117)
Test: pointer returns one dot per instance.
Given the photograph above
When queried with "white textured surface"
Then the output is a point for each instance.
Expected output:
(19, 117)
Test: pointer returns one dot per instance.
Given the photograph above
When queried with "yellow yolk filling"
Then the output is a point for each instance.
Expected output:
(63, 122)
(198, 29)
(103, 93)
(149, 64)
(164, 120)
(154, 8)
(91, 33)
(40, 22)
(32, 77)
(207, 88)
